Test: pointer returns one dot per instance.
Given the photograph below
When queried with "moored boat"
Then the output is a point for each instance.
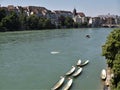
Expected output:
(71, 70)
(103, 74)
(59, 83)
(77, 72)
(68, 84)
(85, 63)
(79, 62)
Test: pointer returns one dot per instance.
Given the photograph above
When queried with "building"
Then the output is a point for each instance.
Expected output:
(79, 17)
(63, 13)
(109, 19)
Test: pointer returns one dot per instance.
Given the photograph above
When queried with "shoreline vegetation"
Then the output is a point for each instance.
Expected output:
(111, 51)
(12, 21)
(39, 18)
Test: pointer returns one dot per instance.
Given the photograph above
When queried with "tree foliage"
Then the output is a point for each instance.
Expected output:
(10, 22)
(2, 13)
(61, 20)
(22, 19)
(66, 22)
(111, 51)
(112, 47)
(32, 22)
(69, 22)
(14, 22)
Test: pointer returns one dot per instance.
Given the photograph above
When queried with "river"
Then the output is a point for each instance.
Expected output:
(35, 60)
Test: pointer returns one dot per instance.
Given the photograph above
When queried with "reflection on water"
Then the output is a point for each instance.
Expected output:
(28, 36)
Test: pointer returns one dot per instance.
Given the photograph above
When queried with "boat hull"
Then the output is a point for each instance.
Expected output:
(77, 72)
(58, 84)
(103, 74)
(68, 84)
(85, 63)
(71, 70)
(79, 62)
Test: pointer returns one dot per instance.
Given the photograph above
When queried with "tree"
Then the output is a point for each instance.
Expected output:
(61, 20)
(111, 51)
(118, 86)
(22, 19)
(111, 47)
(2, 29)
(32, 22)
(2, 14)
(69, 22)
(40, 23)
(47, 24)
(11, 22)
(75, 25)
(116, 69)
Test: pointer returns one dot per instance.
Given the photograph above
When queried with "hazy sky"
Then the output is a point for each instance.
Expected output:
(89, 7)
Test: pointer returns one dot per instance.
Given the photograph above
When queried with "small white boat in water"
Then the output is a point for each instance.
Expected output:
(71, 70)
(59, 83)
(77, 72)
(79, 62)
(85, 63)
(103, 74)
(68, 84)
(54, 52)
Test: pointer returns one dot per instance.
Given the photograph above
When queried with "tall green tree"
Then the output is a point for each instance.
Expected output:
(116, 70)
(111, 51)
(111, 47)
(61, 20)
(40, 23)
(69, 22)
(11, 22)
(2, 14)
(32, 22)
(22, 19)
(47, 24)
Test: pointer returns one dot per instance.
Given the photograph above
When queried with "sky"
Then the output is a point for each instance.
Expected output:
(88, 7)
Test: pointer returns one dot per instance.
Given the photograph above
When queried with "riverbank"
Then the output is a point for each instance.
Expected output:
(107, 82)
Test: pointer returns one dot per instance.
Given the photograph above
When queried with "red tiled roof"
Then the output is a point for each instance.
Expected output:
(81, 14)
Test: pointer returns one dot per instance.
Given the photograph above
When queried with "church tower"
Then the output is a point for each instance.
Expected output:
(74, 12)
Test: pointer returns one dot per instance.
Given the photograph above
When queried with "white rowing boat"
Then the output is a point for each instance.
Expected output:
(77, 72)
(85, 63)
(71, 70)
(59, 83)
(68, 84)
(103, 74)
(79, 62)
(54, 52)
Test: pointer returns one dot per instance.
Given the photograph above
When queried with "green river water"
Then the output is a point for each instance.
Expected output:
(26, 61)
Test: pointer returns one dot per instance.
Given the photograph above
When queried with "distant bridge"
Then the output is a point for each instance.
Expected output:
(110, 25)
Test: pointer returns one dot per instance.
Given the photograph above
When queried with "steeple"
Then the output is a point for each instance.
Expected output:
(74, 12)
